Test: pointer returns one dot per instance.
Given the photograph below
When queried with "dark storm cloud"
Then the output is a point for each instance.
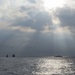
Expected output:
(37, 22)
(37, 17)
(66, 16)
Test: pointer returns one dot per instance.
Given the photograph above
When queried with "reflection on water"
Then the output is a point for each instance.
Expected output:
(37, 66)
(53, 66)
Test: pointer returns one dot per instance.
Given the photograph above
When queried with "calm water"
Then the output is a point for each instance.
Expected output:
(37, 66)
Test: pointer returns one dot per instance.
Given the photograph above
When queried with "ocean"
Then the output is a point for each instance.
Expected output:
(37, 66)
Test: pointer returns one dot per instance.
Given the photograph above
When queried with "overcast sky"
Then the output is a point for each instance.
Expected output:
(37, 27)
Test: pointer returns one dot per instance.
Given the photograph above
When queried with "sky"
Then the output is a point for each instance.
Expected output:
(37, 27)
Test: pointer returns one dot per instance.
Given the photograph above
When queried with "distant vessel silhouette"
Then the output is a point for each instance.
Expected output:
(13, 55)
(58, 56)
(6, 55)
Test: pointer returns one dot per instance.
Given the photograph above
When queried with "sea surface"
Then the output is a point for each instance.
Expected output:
(37, 66)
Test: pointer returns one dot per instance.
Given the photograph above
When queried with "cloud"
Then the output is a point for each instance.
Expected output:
(66, 17)
(32, 1)
(25, 15)
(27, 29)
(22, 29)
(70, 3)
(37, 22)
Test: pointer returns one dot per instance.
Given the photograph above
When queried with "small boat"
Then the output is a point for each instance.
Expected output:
(58, 56)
